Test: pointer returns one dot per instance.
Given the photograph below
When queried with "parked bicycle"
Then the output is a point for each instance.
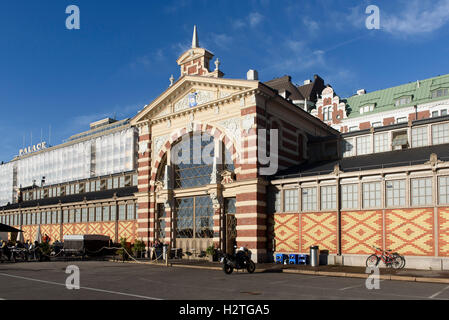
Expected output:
(390, 259)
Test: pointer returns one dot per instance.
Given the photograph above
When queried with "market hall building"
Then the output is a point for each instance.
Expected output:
(343, 191)
(86, 185)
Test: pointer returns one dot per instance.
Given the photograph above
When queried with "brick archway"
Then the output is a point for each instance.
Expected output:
(211, 130)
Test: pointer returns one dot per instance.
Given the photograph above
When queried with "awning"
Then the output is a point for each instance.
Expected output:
(400, 140)
(6, 228)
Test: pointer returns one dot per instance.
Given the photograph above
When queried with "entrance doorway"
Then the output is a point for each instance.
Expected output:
(194, 225)
(230, 222)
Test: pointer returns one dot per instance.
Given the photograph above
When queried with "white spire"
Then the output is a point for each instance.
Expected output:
(195, 42)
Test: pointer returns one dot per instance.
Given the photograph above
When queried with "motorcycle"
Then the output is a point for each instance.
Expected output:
(240, 260)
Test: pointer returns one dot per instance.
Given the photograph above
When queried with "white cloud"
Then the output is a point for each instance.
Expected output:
(312, 25)
(255, 18)
(417, 17)
(252, 20)
(222, 40)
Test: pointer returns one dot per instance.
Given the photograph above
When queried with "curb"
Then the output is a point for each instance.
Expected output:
(309, 273)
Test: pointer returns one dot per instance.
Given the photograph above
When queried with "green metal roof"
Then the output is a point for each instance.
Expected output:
(385, 100)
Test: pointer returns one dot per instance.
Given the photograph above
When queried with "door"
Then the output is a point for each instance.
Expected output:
(230, 225)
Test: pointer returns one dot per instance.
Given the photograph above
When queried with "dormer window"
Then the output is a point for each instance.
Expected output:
(403, 101)
(440, 93)
(366, 109)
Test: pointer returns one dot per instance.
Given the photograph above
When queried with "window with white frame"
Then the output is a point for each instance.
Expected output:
(395, 193)
(354, 128)
(291, 200)
(368, 108)
(309, 199)
(381, 142)
(350, 196)
(328, 197)
(421, 191)
(376, 124)
(348, 148)
(371, 195)
(419, 137)
(440, 133)
(443, 190)
(363, 145)
(401, 120)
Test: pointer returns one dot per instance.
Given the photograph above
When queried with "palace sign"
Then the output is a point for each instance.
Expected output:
(35, 148)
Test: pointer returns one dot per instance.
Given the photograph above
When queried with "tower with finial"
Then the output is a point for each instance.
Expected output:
(196, 60)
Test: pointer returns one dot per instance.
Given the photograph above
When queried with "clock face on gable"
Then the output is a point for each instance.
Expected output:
(192, 99)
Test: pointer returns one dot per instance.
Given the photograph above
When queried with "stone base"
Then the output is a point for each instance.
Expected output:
(420, 263)
(411, 262)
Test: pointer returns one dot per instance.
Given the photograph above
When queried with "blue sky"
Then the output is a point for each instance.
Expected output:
(124, 53)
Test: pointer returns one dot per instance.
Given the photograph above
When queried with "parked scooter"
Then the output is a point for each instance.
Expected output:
(241, 259)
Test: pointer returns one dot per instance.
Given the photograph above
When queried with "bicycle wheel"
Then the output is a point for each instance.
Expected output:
(372, 261)
(402, 265)
(396, 262)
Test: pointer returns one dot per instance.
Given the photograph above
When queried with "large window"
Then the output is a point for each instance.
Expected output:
(350, 196)
(194, 217)
(381, 142)
(419, 137)
(363, 145)
(309, 199)
(421, 191)
(291, 200)
(395, 193)
(440, 133)
(193, 160)
(328, 198)
(443, 190)
(130, 212)
(371, 195)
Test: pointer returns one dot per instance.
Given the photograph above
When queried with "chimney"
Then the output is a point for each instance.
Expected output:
(361, 92)
(307, 82)
(252, 75)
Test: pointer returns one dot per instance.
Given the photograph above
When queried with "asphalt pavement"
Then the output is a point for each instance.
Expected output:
(101, 280)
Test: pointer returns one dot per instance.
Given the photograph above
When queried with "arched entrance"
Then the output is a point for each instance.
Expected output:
(190, 172)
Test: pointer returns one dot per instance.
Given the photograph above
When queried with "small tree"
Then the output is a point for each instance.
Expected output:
(138, 248)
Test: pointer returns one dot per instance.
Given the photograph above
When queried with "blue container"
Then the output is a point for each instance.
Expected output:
(280, 258)
(302, 259)
(293, 259)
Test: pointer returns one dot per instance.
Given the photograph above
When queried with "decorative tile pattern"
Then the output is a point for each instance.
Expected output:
(80, 228)
(128, 230)
(286, 232)
(319, 229)
(67, 229)
(94, 228)
(109, 230)
(410, 231)
(360, 231)
(443, 232)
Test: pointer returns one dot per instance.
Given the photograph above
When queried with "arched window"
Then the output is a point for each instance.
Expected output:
(193, 160)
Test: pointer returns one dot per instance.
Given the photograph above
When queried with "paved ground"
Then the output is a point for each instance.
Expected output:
(111, 281)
